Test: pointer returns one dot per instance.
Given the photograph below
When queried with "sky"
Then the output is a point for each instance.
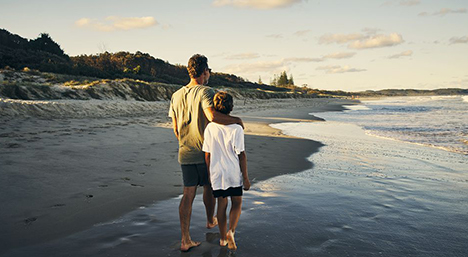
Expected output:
(350, 45)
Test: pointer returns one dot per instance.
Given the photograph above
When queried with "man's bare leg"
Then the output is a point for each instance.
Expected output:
(210, 204)
(222, 220)
(185, 213)
(234, 215)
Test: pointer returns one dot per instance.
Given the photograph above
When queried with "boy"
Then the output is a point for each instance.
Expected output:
(227, 167)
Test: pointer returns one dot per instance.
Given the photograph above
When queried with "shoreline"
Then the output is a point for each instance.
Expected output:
(65, 175)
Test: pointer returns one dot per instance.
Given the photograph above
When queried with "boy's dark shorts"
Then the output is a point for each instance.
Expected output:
(195, 174)
(232, 191)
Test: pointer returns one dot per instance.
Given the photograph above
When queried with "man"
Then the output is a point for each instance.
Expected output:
(191, 110)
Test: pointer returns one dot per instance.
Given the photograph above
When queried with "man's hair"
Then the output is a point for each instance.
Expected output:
(197, 64)
(223, 102)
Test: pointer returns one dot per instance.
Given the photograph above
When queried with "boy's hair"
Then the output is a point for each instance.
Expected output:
(223, 102)
(197, 64)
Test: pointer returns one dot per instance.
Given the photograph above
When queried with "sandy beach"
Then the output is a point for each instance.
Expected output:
(61, 176)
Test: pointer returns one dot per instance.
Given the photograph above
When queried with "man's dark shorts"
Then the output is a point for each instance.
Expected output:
(195, 174)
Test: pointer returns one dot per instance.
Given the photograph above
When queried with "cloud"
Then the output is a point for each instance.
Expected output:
(243, 56)
(371, 31)
(402, 54)
(301, 33)
(443, 12)
(402, 3)
(340, 38)
(377, 41)
(256, 4)
(363, 41)
(336, 69)
(113, 23)
(303, 59)
(459, 40)
(410, 2)
(339, 55)
(275, 36)
(254, 68)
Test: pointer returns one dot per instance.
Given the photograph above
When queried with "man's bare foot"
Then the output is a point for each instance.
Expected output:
(223, 242)
(212, 225)
(230, 240)
(185, 247)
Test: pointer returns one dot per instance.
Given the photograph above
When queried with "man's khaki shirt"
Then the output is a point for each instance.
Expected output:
(187, 107)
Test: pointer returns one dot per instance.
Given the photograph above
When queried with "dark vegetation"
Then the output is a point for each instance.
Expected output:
(45, 55)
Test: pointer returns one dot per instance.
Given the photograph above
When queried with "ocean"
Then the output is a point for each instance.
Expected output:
(435, 121)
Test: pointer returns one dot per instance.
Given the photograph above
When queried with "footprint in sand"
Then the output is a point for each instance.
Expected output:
(13, 145)
(28, 221)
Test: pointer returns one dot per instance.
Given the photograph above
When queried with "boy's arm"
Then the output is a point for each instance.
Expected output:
(174, 127)
(243, 166)
(207, 161)
(214, 116)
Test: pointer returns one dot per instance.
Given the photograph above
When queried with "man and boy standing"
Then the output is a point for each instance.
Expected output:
(191, 110)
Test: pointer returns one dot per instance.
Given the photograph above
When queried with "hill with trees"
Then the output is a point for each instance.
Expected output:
(44, 54)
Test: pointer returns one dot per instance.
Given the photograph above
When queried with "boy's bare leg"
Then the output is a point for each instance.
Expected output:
(185, 213)
(210, 204)
(222, 220)
(234, 215)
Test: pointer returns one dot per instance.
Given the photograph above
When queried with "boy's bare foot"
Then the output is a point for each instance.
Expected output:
(212, 225)
(230, 240)
(186, 246)
(223, 242)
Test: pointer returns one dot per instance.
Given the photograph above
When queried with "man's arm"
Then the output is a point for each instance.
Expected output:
(174, 127)
(243, 166)
(221, 118)
(207, 161)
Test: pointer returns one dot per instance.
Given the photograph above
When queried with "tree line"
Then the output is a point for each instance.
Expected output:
(44, 54)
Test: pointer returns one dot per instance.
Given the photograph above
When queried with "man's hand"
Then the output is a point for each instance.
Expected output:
(246, 184)
(240, 122)
(174, 127)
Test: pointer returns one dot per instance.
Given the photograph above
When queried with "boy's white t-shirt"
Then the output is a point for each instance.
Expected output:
(224, 143)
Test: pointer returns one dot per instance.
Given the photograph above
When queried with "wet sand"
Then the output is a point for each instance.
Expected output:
(364, 196)
(62, 176)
